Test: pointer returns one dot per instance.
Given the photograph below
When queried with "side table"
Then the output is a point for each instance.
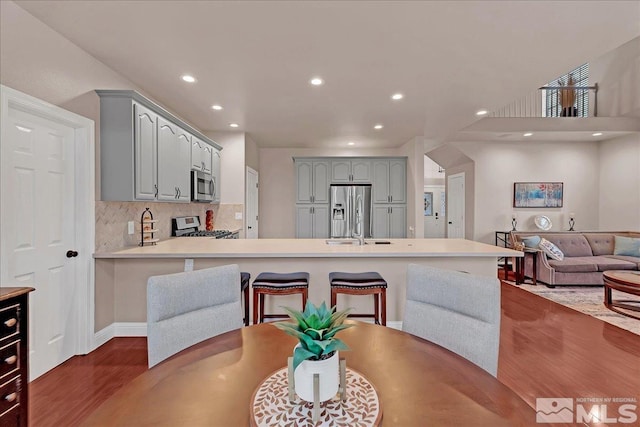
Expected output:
(622, 281)
(520, 262)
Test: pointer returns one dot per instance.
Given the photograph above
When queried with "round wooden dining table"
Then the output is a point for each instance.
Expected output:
(211, 384)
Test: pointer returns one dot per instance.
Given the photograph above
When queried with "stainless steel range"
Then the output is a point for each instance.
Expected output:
(189, 226)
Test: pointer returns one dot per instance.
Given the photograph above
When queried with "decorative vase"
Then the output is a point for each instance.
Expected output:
(329, 375)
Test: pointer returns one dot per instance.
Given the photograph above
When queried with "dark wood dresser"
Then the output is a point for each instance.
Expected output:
(14, 357)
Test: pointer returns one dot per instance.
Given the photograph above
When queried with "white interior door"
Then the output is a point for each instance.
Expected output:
(455, 206)
(434, 224)
(42, 230)
(252, 204)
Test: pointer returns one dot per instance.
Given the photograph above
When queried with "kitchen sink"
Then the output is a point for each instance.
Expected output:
(355, 242)
(342, 242)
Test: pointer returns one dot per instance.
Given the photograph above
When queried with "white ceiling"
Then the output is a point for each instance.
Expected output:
(256, 58)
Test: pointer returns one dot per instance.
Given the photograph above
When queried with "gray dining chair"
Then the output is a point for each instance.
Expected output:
(184, 309)
(456, 310)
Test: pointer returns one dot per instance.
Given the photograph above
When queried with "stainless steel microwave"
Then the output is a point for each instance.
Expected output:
(203, 187)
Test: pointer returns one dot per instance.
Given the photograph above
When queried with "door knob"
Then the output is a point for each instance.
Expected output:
(249, 227)
(450, 222)
(72, 254)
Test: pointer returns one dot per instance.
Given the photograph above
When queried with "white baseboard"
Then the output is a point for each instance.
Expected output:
(102, 336)
(130, 329)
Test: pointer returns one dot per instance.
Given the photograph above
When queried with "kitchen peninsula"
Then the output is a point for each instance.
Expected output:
(121, 276)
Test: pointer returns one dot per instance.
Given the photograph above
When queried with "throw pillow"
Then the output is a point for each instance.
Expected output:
(551, 250)
(627, 246)
(531, 241)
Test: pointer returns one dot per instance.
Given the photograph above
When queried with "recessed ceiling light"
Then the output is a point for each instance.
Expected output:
(378, 127)
(217, 107)
(189, 79)
(351, 143)
(397, 96)
(481, 112)
(597, 134)
(527, 134)
(234, 125)
(316, 81)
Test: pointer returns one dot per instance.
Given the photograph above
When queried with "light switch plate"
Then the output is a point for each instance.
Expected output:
(130, 227)
(238, 215)
(188, 264)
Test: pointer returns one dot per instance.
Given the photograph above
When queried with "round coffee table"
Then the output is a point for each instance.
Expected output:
(622, 281)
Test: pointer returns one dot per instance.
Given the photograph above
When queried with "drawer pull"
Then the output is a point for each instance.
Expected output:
(11, 360)
(11, 397)
(9, 323)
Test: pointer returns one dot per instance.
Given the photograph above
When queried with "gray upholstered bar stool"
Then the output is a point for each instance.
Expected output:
(370, 283)
(277, 284)
(244, 288)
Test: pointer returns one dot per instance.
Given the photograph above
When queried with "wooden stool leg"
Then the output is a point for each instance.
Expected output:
(305, 296)
(384, 307)
(334, 297)
(376, 309)
(261, 303)
(246, 307)
(255, 306)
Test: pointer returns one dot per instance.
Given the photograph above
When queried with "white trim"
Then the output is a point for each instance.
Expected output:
(101, 337)
(130, 329)
(84, 304)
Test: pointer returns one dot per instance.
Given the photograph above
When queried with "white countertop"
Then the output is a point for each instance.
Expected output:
(204, 247)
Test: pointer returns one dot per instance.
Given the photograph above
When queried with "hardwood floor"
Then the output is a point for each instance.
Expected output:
(65, 395)
(546, 350)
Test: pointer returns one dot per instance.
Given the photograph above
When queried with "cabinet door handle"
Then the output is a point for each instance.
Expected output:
(11, 322)
(391, 199)
(156, 187)
(11, 397)
(11, 360)
(179, 192)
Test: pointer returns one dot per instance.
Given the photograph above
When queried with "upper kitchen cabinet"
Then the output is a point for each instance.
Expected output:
(390, 181)
(201, 156)
(145, 151)
(215, 172)
(174, 157)
(312, 180)
(351, 171)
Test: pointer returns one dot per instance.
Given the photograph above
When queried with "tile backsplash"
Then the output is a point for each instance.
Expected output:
(112, 219)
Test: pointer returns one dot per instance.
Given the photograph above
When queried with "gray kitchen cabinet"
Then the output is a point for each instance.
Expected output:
(312, 181)
(183, 166)
(389, 221)
(390, 181)
(201, 155)
(312, 221)
(351, 171)
(145, 151)
(174, 162)
(145, 145)
(215, 172)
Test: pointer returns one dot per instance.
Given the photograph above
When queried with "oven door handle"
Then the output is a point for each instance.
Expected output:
(211, 187)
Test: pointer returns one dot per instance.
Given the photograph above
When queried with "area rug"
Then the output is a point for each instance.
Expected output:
(587, 300)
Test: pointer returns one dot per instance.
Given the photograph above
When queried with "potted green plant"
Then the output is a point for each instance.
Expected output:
(317, 350)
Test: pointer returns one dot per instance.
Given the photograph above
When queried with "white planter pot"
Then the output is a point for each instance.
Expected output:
(329, 371)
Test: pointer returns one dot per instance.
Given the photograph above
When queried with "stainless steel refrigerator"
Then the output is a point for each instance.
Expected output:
(350, 211)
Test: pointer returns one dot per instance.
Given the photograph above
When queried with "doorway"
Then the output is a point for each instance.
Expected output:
(251, 231)
(434, 215)
(455, 206)
(48, 223)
